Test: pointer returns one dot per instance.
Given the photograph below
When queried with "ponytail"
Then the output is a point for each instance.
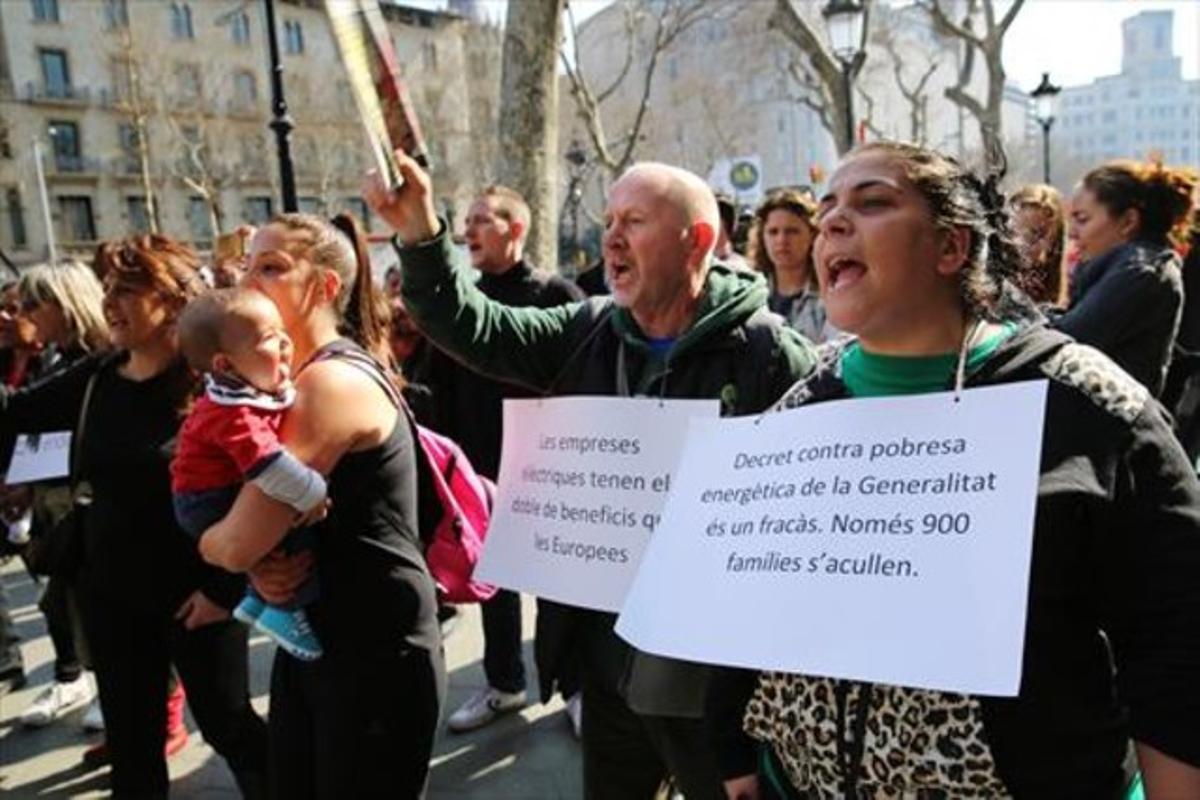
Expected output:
(360, 318)
(1161, 195)
(340, 245)
(995, 292)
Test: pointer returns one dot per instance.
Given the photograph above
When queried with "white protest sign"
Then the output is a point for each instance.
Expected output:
(582, 485)
(877, 539)
(39, 457)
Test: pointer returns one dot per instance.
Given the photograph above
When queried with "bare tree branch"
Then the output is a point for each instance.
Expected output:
(587, 106)
(139, 107)
(868, 119)
(1013, 10)
(813, 97)
(914, 94)
(987, 112)
(826, 68)
(948, 26)
(669, 22)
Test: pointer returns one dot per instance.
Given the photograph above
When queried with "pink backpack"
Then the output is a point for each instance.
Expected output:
(455, 502)
(456, 542)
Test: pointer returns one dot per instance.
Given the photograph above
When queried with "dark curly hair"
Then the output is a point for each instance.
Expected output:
(958, 198)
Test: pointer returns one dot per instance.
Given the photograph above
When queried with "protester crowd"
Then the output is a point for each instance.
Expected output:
(244, 458)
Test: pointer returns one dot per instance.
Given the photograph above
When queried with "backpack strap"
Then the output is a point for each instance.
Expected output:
(78, 482)
(350, 353)
(347, 352)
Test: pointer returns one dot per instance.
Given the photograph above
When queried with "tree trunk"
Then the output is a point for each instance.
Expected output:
(832, 100)
(143, 148)
(528, 157)
(141, 127)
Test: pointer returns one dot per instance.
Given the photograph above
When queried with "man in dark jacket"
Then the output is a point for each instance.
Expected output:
(680, 327)
(468, 407)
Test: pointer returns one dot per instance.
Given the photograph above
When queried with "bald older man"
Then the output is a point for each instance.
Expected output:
(676, 325)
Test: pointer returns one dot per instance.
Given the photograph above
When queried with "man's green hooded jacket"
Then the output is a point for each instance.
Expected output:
(735, 351)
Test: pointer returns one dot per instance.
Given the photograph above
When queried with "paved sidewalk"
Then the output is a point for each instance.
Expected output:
(522, 757)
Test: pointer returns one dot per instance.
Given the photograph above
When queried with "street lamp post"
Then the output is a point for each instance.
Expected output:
(846, 20)
(281, 122)
(1045, 104)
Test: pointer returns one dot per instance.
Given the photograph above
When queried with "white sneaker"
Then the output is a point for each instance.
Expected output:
(93, 718)
(58, 700)
(483, 707)
(575, 714)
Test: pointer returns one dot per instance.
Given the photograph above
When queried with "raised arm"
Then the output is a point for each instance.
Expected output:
(526, 346)
(51, 404)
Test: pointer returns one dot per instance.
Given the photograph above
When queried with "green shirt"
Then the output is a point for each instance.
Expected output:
(873, 375)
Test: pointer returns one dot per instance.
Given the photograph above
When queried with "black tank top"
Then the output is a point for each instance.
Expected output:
(375, 589)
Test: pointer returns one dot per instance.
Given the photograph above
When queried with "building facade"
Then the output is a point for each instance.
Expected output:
(731, 88)
(156, 112)
(1148, 109)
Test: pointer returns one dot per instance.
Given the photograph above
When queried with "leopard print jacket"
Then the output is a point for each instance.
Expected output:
(917, 744)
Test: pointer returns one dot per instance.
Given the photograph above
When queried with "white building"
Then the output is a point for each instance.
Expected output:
(1147, 109)
(725, 91)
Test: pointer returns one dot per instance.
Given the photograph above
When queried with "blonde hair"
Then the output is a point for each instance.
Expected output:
(74, 289)
(1044, 280)
(510, 205)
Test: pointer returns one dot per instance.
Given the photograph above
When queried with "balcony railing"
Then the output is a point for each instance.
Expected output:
(126, 165)
(54, 93)
(74, 165)
(112, 98)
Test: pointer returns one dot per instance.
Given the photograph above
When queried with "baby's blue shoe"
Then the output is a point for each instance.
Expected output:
(249, 610)
(291, 631)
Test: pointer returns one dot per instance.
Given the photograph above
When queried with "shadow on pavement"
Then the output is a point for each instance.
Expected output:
(69, 782)
(529, 754)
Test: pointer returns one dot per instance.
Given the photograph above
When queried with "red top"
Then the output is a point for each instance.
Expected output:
(220, 444)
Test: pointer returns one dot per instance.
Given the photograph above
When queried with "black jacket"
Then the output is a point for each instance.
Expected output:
(468, 406)
(1127, 304)
(736, 350)
(1113, 580)
(135, 551)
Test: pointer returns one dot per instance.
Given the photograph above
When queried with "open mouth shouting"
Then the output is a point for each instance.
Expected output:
(618, 274)
(843, 272)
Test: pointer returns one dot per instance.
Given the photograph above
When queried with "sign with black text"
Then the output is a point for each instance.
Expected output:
(876, 539)
(39, 457)
(582, 485)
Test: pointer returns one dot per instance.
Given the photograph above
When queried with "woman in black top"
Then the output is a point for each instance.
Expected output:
(360, 721)
(64, 302)
(781, 239)
(1127, 292)
(146, 599)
